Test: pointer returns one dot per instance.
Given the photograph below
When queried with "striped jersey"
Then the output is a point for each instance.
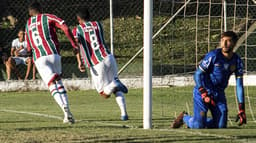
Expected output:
(41, 35)
(93, 48)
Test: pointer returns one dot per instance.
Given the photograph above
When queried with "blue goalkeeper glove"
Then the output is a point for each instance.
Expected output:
(241, 115)
(207, 99)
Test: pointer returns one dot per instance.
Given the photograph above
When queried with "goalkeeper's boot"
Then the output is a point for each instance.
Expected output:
(68, 117)
(178, 122)
(121, 86)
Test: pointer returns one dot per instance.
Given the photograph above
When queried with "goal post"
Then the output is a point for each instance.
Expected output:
(147, 66)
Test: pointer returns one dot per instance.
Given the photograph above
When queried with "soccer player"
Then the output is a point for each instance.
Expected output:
(100, 61)
(211, 80)
(19, 55)
(42, 40)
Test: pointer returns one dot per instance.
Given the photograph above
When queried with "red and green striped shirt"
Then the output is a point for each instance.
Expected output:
(41, 35)
(93, 47)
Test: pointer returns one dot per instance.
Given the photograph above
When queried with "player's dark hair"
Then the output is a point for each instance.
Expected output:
(83, 13)
(231, 34)
(21, 29)
(35, 6)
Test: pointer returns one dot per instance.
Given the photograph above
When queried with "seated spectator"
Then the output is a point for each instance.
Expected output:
(7, 62)
(19, 55)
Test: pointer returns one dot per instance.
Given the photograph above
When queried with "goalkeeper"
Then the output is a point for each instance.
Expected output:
(211, 80)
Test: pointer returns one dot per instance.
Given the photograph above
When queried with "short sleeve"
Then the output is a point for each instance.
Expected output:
(206, 63)
(13, 43)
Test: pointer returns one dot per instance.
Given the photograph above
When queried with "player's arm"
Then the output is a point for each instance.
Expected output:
(13, 49)
(29, 50)
(75, 45)
(78, 56)
(199, 76)
(58, 22)
(241, 117)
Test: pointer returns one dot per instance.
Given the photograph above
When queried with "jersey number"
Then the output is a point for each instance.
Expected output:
(36, 38)
(93, 38)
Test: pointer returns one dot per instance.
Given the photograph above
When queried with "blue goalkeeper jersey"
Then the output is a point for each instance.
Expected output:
(217, 70)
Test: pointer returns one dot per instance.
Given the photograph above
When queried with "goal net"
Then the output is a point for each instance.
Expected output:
(193, 32)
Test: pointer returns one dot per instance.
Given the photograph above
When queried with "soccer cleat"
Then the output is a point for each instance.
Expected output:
(121, 86)
(68, 117)
(124, 118)
(178, 122)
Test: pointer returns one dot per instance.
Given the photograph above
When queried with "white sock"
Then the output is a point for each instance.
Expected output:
(58, 97)
(62, 92)
(120, 100)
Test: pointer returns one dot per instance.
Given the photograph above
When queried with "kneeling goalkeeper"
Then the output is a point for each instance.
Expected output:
(211, 80)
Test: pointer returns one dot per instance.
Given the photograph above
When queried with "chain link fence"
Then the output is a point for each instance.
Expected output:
(177, 48)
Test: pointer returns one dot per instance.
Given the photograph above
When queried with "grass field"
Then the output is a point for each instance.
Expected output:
(34, 117)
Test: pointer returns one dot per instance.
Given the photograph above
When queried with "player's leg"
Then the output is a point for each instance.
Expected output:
(68, 117)
(63, 92)
(28, 62)
(112, 75)
(219, 114)
(102, 83)
(200, 113)
(59, 94)
(9, 67)
(34, 71)
(110, 70)
(49, 68)
(120, 100)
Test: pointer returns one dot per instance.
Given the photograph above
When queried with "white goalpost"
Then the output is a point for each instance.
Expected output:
(147, 66)
(111, 26)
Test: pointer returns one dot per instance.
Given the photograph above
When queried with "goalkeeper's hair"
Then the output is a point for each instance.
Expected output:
(35, 6)
(231, 34)
(83, 12)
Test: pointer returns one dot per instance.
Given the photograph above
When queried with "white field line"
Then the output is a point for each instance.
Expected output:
(31, 113)
(60, 118)
(197, 132)
(188, 131)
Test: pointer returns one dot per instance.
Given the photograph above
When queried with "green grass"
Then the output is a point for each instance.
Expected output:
(98, 119)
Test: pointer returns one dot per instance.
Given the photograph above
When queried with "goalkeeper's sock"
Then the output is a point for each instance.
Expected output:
(120, 100)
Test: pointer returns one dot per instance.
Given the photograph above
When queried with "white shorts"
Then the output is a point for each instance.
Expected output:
(48, 67)
(104, 73)
(20, 60)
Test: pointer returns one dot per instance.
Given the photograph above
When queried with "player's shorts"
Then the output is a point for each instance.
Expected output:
(49, 67)
(104, 72)
(20, 60)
